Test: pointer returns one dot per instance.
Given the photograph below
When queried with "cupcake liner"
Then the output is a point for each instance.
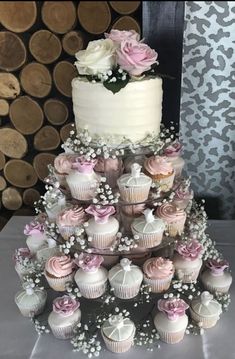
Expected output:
(83, 191)
(92, 291)
(204, 322)
(33, 310)
(61, 178)
(158, 285)
(176, 228)
(148, 240)
(171, 338)
(214, 289)
(102, 241)
(66, 231)
(58, 284)
(165, 182)
(118, 347)
(63, 333)
(188, 276)
(135, 194)
(126, 292)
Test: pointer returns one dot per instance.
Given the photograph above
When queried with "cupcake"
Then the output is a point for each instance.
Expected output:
(65, 317)
(50, 249)
(91, 278)
(158, 273)
(82, 180)
(149, 229)
(134, 187)
(216, 279)
(173, 217)
(58, 271)
(171, 320)
(173, 153)
(69, 219)
(118, 333)
(24, 262)
(128, 213)
(161, 171)
(110, 168)
(31, 301)
(35, 236)
(126, 279)
(183, 195)
(205, 310)
(63, 166)
(55, 202)
(187, 260)
(103, 227)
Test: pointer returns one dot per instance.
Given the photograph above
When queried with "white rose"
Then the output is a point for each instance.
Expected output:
(99, 57)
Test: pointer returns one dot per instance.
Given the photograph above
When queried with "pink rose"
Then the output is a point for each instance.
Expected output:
(173, 150)
(190, 250)
(173, 308)
(33, 228)
(217, 267)
(65, 305)
(135, 57)
(118, 36)
(81, 164)
(101, 214)
(89, 262)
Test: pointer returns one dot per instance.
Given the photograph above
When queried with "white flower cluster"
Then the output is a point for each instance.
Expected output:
(194, 329)
(40, 327)
(189, 291)
(51, 230)
(224, 299)
(125, 244)
(68, 246)
(72, 290)
(86, 342)
(144, 295)
(196, 222)
(34, 276)
(105, 194)
(147, 336)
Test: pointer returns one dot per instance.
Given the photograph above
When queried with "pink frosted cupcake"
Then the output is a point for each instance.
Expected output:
(187, 260)
(111, 168)
(183, 195)
(36, 237)
(91, 278)
(173, 153)
(161, 171)
(82, 180)
(58, 271)
(63, 166)
(103, 227)
(158, 273)
(216, 278)
(65, 317)
(70, 219)
(171, 320)
(173, 217)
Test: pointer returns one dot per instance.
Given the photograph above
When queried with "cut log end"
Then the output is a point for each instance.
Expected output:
(127, 23)
(13, 52)
(55, 111)
(36, 80)
(72, 42)
(63, 74)
(94, 16)
(3, 183)
(45, 46)
(12, 143)
(65, 130)
(18, 16)
(59, 16)
(20, 173)
(46, 139)
(2, 160)
(41, 162)
(11, 198)
(9, 86)
(4, 107)
(125, 7)
(30, 196)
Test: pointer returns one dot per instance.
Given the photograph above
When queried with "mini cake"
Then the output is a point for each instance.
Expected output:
(63, 166)
(23, 262)
(173, 152)
(205, 310)
(58, 271)
(103, 227)
(149, 229)
(82, 180)
(161, 171)
(91, 278)
(134, 187)
(216, 279)
(64, 317)
(36, 236)
(31, 301)
(126, 279)
(171, 320)
(118, 333)
(183, 195)
(158, 273)
(50, 249)
(70, 219)
(110, 168)
(173, 217)
(187, 260)
(55, 201)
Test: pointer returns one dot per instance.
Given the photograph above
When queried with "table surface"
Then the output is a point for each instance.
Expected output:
(19, 340)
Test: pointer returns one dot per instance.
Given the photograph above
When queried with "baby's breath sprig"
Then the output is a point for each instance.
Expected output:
(196, 222)
(35, 276)
(104, 194)
(146, 335)
(224, 299)
(194, 329)
(125, 243)
(85, 341)
(40, 327)
(144, 295)
(52, 230)
(178, 289)
(69, 246)
(72, 290)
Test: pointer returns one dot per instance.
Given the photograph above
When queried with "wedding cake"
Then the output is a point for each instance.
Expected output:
(118, 224)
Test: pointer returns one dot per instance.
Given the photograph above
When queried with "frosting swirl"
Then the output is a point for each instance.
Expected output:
(63, 163)
(158, 268)
(71, 216)
(173, 150)
(170, 213)
(217, 267)
(109, 164)
(65, 305)
(173, 308)
(89, 262)
(158, 165)
(190, 250)
(60, 266)
(33, 228)
(101, 214)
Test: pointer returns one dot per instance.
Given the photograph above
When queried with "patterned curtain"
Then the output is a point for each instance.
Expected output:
(207, 122)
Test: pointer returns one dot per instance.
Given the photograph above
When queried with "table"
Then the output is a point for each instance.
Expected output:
(19, 340)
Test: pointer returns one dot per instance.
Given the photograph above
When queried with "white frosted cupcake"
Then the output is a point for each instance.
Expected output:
(126, 279)
(118, 333)
(82, 180)
(149, 229)
(50, 249)
(205, 310)
(134, 187)
(183, 195)
(91, 278)
(173, 217)
(110, 168)
(161, 172)
(63, 166)
(58, 271)
(216, 279)
(64, 317)
(55, 202)
(171, 320)
(103, 227)
(158, 273)
(187, 261)
(24, 262)
(31, 301)
(69, 220)
(173, 153)
(36, 237)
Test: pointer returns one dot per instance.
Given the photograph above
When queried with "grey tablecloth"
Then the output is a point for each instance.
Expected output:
(18, 339)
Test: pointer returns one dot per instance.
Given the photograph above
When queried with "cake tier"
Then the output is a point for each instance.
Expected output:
(133, 112)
